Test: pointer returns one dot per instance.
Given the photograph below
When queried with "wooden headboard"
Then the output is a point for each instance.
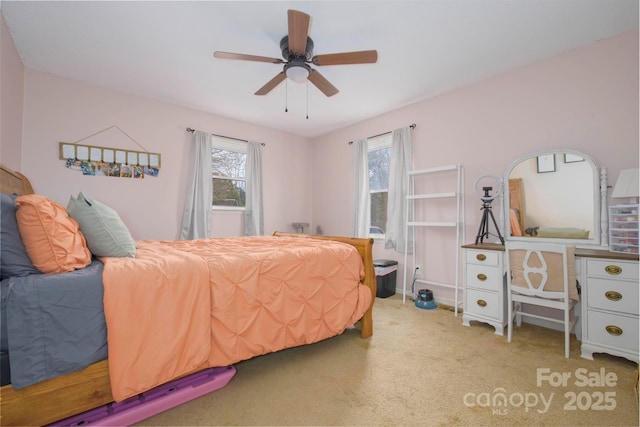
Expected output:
(14, 182)
(515, 199)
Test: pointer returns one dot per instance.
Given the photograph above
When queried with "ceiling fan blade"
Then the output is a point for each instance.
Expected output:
(242, 56)
(321, 83)
(271, 84)
(360, 57)
(298, 31)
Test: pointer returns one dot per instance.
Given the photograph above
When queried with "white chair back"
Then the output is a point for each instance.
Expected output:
(539, 269)
(543, 274)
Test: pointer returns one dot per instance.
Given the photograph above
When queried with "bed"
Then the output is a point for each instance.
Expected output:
(207, 335)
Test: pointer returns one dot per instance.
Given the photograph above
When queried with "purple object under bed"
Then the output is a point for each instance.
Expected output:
(154, 401)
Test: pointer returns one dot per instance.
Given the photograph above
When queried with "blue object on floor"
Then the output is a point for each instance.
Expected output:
(425, 300)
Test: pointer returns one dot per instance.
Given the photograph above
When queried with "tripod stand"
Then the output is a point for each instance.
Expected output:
(483, 231)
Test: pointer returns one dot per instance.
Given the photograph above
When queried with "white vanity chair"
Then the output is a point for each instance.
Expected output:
(541, 274)
(571, 210)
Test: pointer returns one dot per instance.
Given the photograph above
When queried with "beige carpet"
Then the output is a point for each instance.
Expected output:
(421, 367)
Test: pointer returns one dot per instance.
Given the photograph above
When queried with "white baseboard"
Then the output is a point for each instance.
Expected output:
(442, 301)
(577, 329)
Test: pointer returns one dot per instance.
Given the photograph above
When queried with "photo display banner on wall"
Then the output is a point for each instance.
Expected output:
(103, 161)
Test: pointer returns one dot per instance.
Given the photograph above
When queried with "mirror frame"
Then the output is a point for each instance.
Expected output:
(600, 215)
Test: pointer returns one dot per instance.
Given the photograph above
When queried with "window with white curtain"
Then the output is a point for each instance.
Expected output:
(379, 154)
(228, 160)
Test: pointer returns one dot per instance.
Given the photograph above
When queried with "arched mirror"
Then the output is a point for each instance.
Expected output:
(556, 196)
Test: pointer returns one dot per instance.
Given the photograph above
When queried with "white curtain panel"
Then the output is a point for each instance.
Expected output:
(400, 162)
(362, 211)
(253, 213)
(196, 219)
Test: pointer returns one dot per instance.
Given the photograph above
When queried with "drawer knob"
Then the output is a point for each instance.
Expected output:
(613, 269)
(614, 330)
(482, 277)
(481, 257)
(481, 303)
(613, 295)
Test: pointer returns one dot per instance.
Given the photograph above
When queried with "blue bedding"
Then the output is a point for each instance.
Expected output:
(52, 324)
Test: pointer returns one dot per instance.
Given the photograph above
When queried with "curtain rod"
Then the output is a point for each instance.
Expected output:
(412, 126)
(228, 137)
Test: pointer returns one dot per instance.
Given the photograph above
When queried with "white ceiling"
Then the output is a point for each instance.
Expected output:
(164, 50)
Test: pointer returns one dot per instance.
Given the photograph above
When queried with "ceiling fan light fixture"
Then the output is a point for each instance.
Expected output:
(298, 73)
(297, 52)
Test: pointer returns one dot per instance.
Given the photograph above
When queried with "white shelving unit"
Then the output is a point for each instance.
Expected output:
(456, 222)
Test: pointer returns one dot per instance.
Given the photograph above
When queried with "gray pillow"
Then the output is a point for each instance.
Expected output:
(14, 260)
(102, 227)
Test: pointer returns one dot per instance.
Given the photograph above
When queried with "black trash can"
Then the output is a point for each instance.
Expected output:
(386, 270)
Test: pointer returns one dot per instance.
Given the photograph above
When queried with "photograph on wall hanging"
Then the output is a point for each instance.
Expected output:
(102, 161)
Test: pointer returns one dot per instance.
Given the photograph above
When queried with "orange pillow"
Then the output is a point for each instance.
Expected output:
(51, 237)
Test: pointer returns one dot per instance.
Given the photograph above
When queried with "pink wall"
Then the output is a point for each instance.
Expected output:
(11, 100)
(585, 100)
(58, 109)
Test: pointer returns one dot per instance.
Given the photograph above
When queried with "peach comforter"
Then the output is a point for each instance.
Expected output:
(180, 306)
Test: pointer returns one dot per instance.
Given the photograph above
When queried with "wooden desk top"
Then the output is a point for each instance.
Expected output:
(580, 252)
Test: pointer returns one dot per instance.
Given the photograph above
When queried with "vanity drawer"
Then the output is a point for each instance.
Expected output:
(613, 330)
(612, 269)
(482, 277)
(614, 295)
(485, 304)
(490, 258)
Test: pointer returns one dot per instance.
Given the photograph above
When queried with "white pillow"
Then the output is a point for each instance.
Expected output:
(102, 227)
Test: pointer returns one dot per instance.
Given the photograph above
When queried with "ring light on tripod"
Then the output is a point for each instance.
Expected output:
(486, 197)
(487, 213)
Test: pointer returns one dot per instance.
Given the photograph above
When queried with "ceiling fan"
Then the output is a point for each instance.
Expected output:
(297, 51)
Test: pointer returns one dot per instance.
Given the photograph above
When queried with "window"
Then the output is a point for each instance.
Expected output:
(379, 159)
(228, 161)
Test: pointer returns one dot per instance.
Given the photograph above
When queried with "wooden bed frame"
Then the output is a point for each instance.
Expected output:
(58, 398)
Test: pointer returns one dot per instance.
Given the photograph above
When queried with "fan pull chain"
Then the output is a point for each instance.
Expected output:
(286, 95)
(307, 99)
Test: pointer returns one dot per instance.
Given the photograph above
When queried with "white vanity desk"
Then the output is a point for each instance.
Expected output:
(609, 296)
(567, 193)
